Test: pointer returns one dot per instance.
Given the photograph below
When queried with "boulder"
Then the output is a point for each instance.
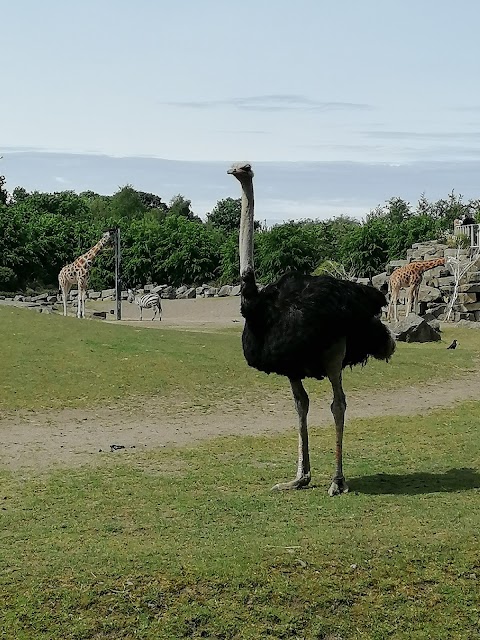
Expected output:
(159, 288)
(210, 292)
(180, 291)
(189, 293)
(168, 293)
(106, 293)
(95, 295)
(52, 299)
(380, 281)
(235, 290)
(434, 310)
(415, 329)
(224, 291)
(40, 298)
(429, 294)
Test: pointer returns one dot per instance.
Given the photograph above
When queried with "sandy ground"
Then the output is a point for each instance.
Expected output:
(41, 440)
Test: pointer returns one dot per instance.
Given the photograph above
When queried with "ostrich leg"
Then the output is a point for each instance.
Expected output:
(303, 470)
(338, 407)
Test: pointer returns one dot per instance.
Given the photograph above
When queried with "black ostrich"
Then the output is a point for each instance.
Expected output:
(307, 326)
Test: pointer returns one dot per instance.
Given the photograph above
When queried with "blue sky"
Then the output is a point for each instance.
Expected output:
(368, 81)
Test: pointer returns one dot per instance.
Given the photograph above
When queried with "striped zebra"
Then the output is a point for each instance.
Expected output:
(147, 301)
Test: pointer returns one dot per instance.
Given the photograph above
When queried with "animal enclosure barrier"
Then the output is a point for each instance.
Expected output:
(472, 231)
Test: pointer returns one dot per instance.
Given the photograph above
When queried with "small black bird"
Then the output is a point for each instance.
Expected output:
(453, 345)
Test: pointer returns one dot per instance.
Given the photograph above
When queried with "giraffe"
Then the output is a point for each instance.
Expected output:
(409, 276)
(77, 273)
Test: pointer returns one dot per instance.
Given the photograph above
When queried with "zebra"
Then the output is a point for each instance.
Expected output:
(147, 301)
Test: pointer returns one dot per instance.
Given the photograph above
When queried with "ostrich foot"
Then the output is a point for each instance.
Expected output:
(337, 487)
(298, 483)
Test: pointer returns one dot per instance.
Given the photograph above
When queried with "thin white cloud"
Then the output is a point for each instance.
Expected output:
(422, 135)
(273, 102)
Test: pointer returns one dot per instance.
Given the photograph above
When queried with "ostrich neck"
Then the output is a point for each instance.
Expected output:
(246, 229)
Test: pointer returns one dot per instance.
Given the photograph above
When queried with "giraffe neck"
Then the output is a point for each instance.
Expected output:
(94, 251)
(429, 264)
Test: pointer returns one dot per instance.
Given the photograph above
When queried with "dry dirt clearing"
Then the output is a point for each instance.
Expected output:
(40, 440)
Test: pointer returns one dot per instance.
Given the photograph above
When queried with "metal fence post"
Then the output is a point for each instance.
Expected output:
(118, 279)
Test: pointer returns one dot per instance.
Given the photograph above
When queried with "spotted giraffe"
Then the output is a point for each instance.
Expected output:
(409, 277)
(77, 273)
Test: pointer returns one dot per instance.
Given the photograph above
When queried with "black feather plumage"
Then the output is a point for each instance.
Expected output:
(291, 323)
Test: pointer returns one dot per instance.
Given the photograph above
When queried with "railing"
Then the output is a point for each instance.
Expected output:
(472, 231)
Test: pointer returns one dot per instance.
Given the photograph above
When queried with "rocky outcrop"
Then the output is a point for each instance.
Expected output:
(438, 284)
(416, 329)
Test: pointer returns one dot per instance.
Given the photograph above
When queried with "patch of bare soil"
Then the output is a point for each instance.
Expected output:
(40, 440)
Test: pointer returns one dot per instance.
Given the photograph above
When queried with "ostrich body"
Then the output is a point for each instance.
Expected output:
(307, 326)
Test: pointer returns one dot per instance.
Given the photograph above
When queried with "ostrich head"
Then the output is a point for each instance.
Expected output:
(242, 171)
(131, 296)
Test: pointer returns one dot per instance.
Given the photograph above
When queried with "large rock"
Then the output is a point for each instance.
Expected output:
(415, 329)
(189, 293)
(224, 291)
(181, 290)
(235, 290)
(106, 293)
(380, 281)
(429, 294)
(159, 288)
(40, 298)
(169, 293)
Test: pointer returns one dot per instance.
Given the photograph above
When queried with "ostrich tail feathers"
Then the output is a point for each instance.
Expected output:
(381, 341)
(371, 338)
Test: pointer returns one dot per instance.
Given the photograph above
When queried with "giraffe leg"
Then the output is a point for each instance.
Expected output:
(303, 467)
(409, 302)
(415, 299)
(393, 305)
(81, 300)
(64, 296)
(339, 405)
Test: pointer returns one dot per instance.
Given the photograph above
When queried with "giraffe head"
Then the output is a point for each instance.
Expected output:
(108, 236)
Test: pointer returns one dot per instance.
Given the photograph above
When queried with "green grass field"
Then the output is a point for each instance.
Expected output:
(51, 361)
(191, 542)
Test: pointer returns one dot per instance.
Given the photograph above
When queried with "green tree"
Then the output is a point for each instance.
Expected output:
(126, 204)
(3, 191)
(226, 215)
(180, 206)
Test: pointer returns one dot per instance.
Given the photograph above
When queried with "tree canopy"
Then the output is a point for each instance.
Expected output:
(168, 243)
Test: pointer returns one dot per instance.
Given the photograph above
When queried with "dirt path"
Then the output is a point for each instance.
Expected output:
(40, 440)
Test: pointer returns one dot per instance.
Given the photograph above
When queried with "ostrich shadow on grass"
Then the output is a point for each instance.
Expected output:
(420, 482)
